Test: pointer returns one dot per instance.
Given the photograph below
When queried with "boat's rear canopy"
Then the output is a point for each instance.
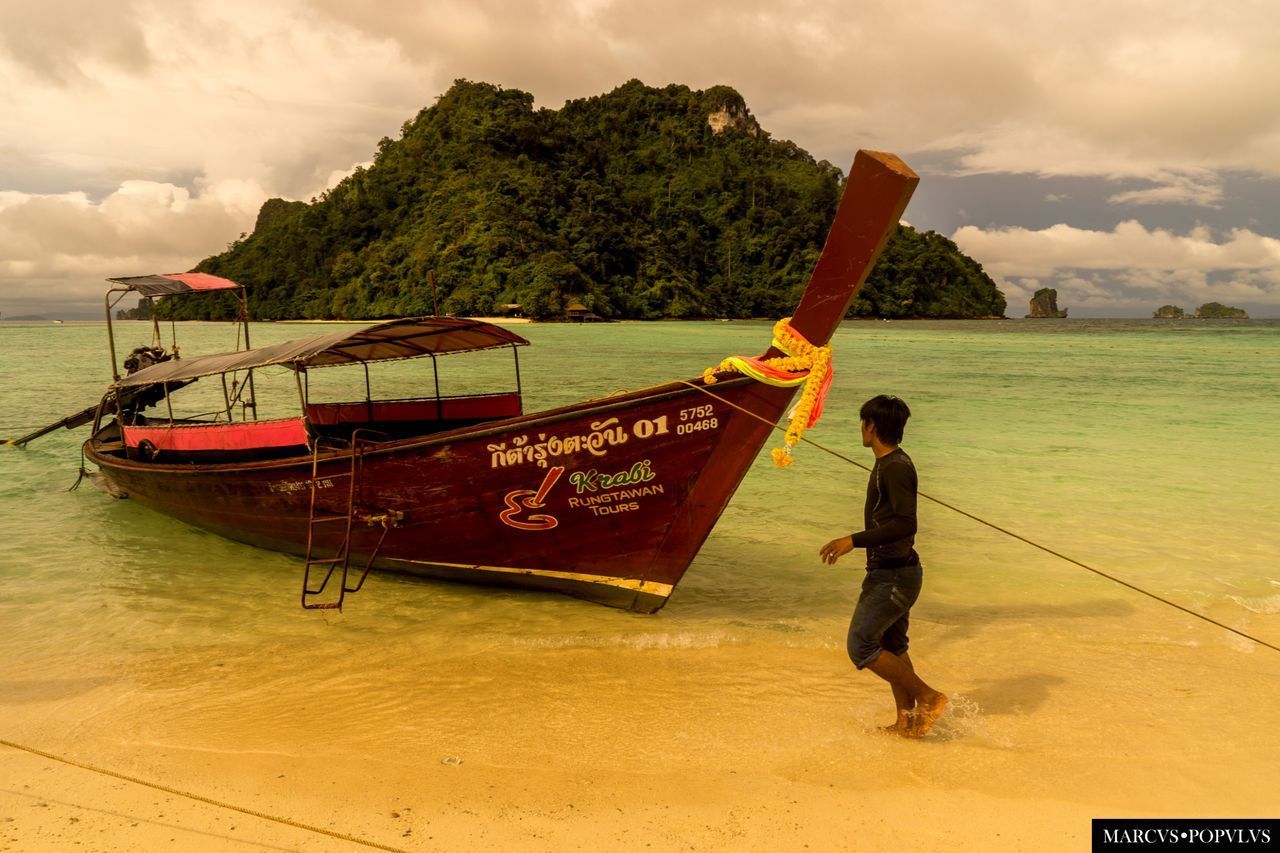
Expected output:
(395, 339)
(171, 284)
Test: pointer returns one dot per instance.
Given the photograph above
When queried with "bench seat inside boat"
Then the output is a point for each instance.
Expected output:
(273, 439)
(401, 418)
(222, 441)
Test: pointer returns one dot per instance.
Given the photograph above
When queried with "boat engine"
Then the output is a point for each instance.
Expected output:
(144, 357)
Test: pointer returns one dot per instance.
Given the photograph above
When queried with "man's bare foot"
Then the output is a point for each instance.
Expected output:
(900, 727)
(927, 713)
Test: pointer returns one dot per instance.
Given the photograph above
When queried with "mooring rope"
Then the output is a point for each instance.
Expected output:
(995, 526)
(198, 798)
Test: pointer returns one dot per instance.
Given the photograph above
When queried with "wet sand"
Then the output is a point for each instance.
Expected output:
(653, 748)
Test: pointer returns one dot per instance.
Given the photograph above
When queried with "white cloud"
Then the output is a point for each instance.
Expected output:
(1201, 189)
(337, 176)
(1148, 89)
(62, 45)
(1130, 245)
(155, 153)
(59, 248)
(1141, 89)
(271, 93)
(1128, 267)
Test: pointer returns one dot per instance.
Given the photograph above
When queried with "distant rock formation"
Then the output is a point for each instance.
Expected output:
(1045, 304)
(1218, 311)
(1168, 312)
(732, 112)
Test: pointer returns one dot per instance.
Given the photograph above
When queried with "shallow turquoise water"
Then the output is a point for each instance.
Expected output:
(1148, 449)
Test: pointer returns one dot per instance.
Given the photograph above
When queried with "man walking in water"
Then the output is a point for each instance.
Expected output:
(878, 633)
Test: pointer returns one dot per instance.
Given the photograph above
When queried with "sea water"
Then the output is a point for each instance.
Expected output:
(1149, 450)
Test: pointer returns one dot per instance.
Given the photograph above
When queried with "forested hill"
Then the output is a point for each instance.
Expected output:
(640, 203)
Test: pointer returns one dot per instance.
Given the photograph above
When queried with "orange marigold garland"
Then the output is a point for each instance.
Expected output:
(803, 363)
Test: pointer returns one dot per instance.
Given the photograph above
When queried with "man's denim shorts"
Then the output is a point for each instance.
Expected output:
(880, 619)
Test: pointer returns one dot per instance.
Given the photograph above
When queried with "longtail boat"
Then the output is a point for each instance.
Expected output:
(607, 500)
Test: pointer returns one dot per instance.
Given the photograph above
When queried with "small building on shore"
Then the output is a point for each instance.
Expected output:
(578, 313)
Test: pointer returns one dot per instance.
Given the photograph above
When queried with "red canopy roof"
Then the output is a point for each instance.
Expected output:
(169, 284)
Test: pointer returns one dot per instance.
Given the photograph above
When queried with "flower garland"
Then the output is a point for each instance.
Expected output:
(803, 363)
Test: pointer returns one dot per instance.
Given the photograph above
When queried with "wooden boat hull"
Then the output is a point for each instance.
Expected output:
(632, 485)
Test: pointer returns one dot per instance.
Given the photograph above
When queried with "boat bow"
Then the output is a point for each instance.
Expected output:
(875, 195)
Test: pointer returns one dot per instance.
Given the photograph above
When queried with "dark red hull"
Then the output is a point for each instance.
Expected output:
(620, 540)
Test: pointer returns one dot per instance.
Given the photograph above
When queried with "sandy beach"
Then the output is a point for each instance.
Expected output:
(662, 749)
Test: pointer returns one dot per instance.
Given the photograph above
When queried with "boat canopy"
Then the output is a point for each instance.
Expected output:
(394, 339)
(170, 284)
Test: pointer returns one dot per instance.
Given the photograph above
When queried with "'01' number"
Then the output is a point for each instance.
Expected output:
(644, 428)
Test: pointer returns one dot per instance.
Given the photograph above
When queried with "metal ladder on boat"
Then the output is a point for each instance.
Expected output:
(321, 518)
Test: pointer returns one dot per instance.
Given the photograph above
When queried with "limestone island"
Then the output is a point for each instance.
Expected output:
(1045, 305)
(642, 203)
(1168, 312)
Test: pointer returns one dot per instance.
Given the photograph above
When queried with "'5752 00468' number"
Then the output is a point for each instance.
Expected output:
(697, 419)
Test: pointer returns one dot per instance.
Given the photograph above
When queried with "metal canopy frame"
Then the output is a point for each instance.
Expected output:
(154, 287)
(302, 378)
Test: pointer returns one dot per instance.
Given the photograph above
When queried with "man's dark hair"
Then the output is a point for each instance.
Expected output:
(888, 415)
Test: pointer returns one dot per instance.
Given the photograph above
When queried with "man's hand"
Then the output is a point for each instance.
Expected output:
(835, 549)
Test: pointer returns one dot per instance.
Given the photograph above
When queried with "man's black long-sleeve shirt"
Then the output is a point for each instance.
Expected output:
(890, 513)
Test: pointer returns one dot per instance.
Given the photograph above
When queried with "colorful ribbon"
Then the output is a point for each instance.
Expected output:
(804, 364)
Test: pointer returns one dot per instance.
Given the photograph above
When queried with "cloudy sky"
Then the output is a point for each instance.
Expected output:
(1126, 153)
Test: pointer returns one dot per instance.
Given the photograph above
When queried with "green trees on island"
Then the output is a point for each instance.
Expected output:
(1218, 311)
(641, 203)
(1207, 311)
